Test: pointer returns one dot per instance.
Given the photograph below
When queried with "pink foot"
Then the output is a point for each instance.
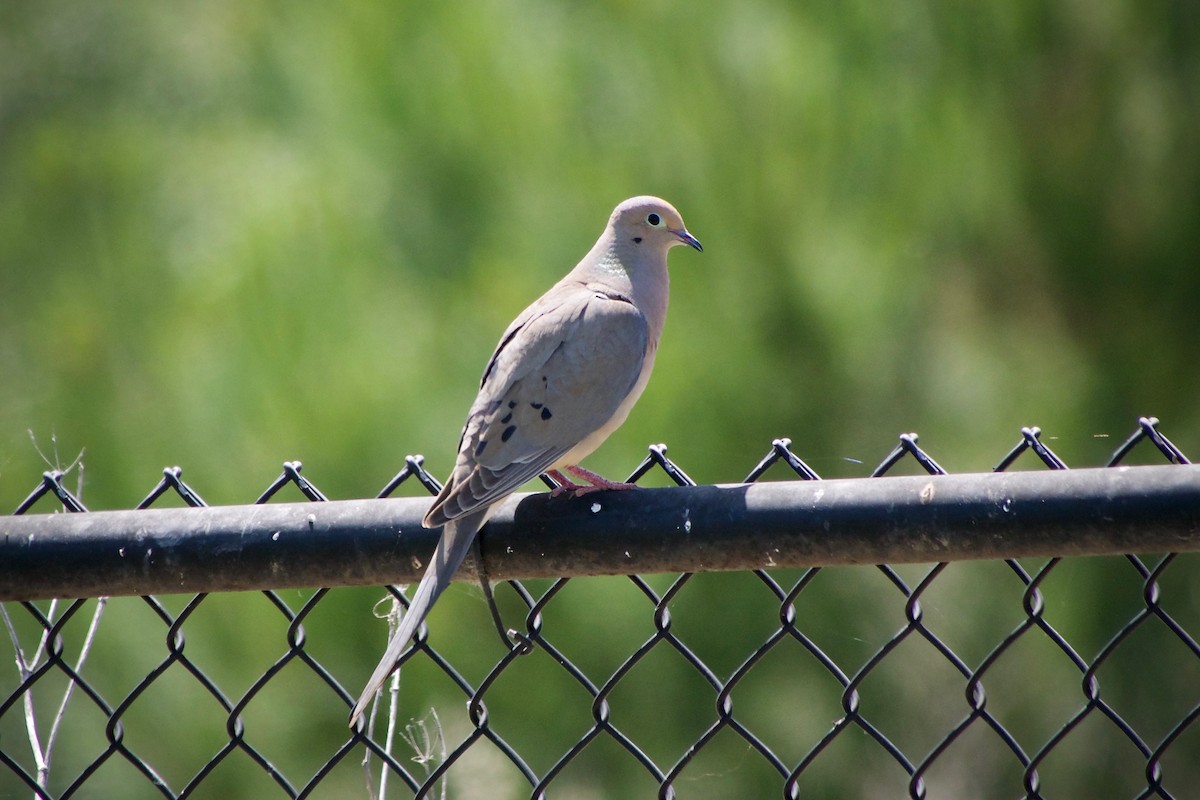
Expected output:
(565, 484)
(595, 482)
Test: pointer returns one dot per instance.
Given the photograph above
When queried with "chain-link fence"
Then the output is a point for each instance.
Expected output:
(1027, 676)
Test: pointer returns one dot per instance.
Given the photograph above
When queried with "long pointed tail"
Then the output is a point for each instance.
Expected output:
(451, 549)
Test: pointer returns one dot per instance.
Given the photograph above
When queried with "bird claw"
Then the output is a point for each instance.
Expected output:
(595, 483)
(580, 491)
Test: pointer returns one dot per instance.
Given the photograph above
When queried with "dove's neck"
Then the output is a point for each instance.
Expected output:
(640, 275)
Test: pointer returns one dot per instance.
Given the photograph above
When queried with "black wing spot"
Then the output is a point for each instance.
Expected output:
(535, 406)
(508, 432)
(507, 418)
(546, 413)
(513, 403)
(479, 447)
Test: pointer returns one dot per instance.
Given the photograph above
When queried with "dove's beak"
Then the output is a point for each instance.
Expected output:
(687, 238)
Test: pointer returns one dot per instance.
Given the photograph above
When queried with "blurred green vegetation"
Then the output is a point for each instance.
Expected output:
(235, 234)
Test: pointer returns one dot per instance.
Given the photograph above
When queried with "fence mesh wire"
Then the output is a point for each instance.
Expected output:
(980, 679)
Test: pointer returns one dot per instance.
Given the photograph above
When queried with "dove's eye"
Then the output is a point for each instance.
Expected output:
(654, 219)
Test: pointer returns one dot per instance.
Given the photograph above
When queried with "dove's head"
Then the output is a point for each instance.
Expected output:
(650, 222)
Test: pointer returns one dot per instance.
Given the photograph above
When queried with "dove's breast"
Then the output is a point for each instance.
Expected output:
(593, 440)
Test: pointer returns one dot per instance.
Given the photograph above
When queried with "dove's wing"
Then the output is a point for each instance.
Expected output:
(559, 375)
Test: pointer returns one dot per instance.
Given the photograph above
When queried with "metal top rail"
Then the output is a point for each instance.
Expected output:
(686, 529)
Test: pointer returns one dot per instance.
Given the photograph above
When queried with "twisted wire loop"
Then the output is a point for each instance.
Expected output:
(870, 679)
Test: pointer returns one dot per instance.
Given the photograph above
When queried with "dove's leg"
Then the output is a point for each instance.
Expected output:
(594, 482)
(597, 481)
(565, 484)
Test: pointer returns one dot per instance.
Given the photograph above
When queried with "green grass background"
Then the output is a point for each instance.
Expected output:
(233, 234)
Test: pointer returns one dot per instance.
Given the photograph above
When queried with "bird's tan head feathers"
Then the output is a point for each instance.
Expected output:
(651, 221)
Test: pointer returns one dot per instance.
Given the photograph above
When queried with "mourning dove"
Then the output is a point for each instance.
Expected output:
(563, 377)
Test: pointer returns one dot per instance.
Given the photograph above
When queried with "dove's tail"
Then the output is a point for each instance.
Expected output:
(452, 548)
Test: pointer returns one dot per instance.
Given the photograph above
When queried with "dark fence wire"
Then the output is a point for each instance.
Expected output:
(1152, 748)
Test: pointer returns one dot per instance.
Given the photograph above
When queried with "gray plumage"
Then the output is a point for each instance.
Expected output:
(564, 376)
